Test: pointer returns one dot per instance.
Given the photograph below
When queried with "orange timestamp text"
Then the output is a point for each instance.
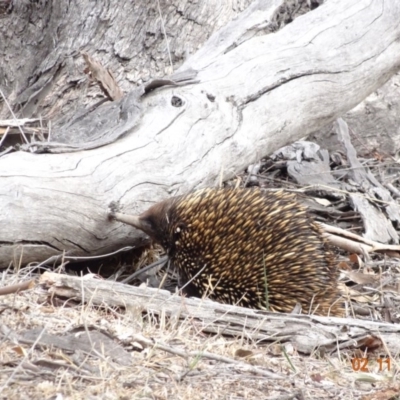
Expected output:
(361, 363)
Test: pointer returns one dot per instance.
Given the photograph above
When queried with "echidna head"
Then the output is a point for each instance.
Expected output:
(156, 222)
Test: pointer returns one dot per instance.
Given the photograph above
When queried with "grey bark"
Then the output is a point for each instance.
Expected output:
(42, 70)
(305, 332)
(256, 92)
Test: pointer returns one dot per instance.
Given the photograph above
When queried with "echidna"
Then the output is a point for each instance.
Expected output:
(245, 247)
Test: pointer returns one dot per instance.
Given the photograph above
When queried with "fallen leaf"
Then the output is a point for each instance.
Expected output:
(242, 353)
(361, 278)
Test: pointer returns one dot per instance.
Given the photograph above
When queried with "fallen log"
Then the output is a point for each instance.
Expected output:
(305, 332)
(253, 92)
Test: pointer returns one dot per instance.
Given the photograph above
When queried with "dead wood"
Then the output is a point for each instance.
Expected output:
(17, 287)
(97, 344)
(377, 226)
(91, 342)
(103, 77)
(253, 95)
(305, 332)
(309, 166)
(354, 243)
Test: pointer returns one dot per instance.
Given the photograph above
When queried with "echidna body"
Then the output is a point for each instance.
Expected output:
(246, 247)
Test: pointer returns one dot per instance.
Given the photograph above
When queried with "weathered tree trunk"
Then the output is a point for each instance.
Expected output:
(305, 332)
(42, 70)
(255, 91)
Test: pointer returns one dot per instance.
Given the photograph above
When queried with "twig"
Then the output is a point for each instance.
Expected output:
(355, 240)
(4, 135)
(12, 113)
(18, 287)
(165, 33)
(205, 354)
(144, 269)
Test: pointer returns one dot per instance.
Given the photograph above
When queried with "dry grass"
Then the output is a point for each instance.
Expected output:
(35, 372)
